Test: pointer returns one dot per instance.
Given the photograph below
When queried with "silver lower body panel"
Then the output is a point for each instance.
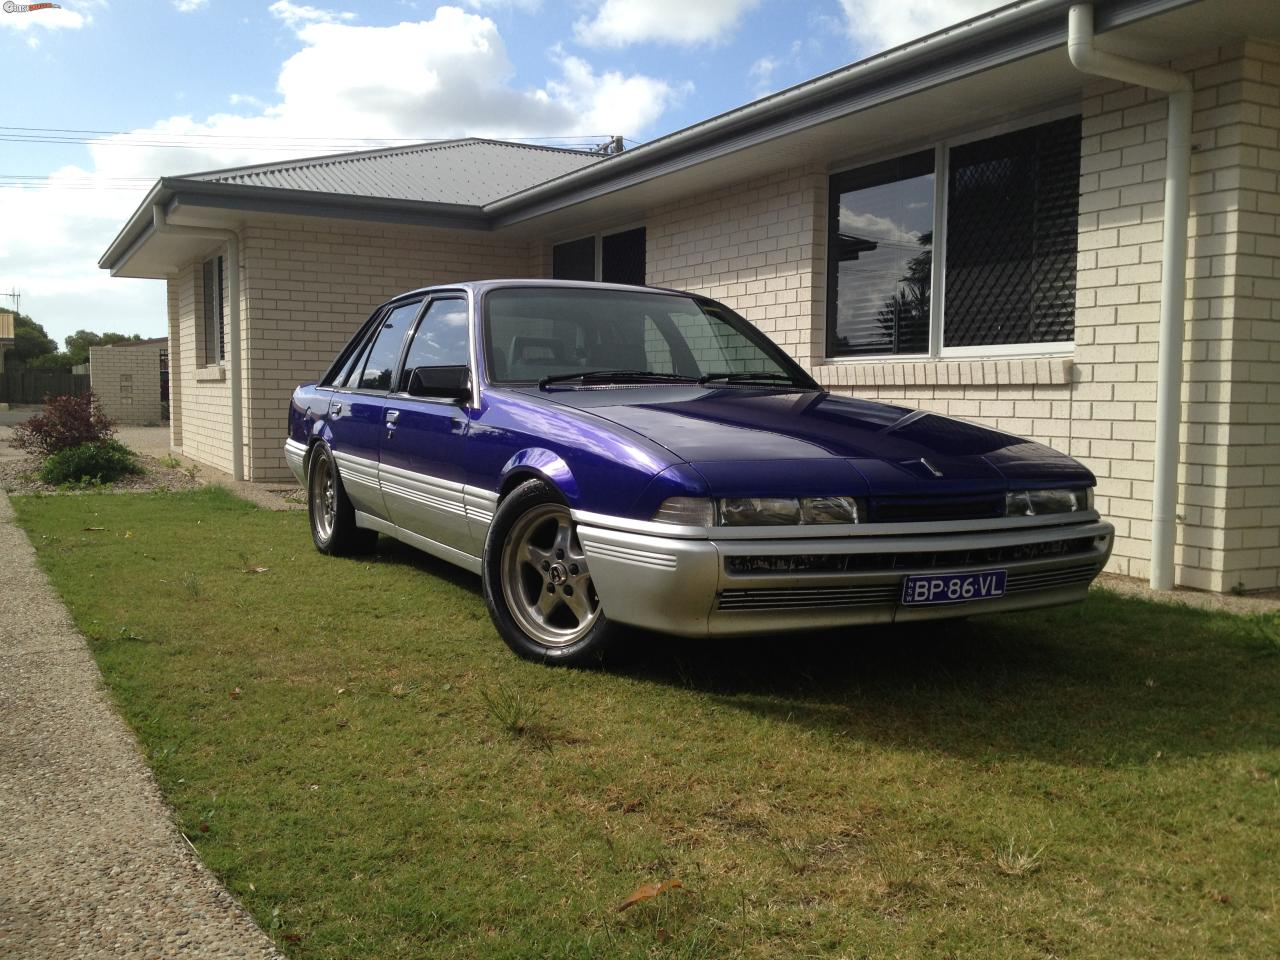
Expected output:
(687, 586)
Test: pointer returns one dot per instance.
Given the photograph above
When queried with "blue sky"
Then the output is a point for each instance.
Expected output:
(184, 85)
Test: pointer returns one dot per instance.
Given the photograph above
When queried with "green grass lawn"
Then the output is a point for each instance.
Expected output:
(355, 753)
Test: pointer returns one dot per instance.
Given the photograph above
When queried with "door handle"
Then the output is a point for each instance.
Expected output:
(336, 409)
(393, 416)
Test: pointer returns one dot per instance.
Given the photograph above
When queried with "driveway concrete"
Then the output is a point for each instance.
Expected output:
(91, 863)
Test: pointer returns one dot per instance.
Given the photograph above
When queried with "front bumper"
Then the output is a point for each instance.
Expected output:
(692, 587)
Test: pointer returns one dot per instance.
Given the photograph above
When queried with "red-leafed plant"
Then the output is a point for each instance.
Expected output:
(67, 421)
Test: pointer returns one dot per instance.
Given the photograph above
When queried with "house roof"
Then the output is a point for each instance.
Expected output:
(469, 171)
(1011, 59)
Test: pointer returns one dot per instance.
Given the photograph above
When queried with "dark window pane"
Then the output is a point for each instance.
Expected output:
(214, 305)
(622, 257)
(381, 365)
(1012, 214)
(575, 260)
(881, 258)
(440, 340)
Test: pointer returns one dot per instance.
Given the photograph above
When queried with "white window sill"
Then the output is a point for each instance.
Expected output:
(215, 374)
(1034, 370)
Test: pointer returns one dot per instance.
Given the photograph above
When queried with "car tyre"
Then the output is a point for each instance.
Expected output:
(537, 584)
(333, 518)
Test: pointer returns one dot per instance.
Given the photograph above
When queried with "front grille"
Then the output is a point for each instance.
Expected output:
(1048, 579)
(791, 598)
(920, 510)
(890, 561)
(813, 598)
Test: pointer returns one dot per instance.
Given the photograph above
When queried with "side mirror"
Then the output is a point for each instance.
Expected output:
(441, 383)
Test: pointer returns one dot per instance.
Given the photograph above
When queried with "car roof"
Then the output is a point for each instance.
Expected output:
(477, 287)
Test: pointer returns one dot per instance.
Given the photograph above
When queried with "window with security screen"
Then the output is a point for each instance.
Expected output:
(987, 262)
(213, 297)
(1013, 205)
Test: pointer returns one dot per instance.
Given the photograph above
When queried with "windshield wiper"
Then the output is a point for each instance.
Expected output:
(756, 376)
(615, 376)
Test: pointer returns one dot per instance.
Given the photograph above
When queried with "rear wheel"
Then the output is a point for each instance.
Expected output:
(537, 583)
(333, 518)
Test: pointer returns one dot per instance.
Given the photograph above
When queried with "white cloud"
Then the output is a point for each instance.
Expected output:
(618, 23)
(189, 6)
(298, 15)
(489, 4)
(761, 71)
(878, 25)
(64, 18)
(447, 76)
(874, 227)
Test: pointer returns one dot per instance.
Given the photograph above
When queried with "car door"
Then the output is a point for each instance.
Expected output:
(357, 412)
(421, 459)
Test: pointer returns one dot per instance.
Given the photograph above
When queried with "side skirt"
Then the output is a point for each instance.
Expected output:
(464, 560)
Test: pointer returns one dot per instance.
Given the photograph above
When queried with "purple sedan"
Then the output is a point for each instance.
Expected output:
(606, 455)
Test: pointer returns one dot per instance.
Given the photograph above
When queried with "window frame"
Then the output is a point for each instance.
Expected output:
(598, 239)
(427, 303)
(937, 349)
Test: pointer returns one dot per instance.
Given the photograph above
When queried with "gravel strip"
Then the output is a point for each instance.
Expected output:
(91, 863)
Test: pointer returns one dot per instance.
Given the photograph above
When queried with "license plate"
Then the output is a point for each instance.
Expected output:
(923, 590)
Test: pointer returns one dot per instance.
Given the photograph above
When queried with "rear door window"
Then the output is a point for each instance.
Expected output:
(384, 354)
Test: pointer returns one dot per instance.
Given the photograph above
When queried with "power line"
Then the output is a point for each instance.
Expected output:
(204, 141)
(118, 133)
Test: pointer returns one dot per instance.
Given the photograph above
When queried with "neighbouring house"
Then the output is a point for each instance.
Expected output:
(6, 335)
(130, 380)
(972, 223)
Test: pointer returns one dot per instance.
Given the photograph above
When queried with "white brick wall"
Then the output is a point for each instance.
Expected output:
(757, 247)
(125, 378)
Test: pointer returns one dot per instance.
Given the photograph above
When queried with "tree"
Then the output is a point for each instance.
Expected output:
(905, 315)
(78, 343)
(29, 341)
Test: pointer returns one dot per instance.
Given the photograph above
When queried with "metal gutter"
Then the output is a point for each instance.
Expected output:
(1173, 271)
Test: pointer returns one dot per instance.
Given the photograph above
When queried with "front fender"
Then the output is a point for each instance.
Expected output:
(544, 463)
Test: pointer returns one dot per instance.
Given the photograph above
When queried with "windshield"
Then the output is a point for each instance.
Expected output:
(535, 334)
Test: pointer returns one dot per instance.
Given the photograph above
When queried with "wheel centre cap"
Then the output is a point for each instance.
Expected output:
(558, 574)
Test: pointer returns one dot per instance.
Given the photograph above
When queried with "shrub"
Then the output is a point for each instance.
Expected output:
(68, 421)
(102, 462)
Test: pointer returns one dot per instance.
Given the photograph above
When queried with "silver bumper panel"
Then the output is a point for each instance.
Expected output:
(295, 455)
(685, 587)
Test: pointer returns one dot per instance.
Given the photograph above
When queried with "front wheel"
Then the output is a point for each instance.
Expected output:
(537, 583)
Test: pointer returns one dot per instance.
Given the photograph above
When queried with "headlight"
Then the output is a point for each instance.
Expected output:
(1034, 503)
(758, 511)
(687, 512)
(786, 511)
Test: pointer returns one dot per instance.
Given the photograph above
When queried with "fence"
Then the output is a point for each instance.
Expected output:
(32, 386)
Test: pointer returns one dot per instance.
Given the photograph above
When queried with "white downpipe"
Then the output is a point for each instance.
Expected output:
(1173, 267)
(232, 240)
